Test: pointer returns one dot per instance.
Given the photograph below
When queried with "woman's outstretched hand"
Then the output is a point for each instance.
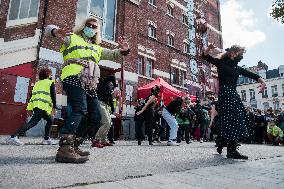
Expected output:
(261, 87)
(61, 33)
(123, 43)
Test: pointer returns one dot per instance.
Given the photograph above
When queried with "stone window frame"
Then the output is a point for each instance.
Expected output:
(152, 61)
(140, 64)
(103, 19)
(186, 46)
(22, 21)
(170, 38)
(152, 3)
(178, 76)
(274, 90)
(152, 29)
(170, 10)
(184, 19)
(244, 95)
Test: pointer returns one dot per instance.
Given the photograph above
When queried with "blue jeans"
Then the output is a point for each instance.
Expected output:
(77, 99)
(90, 124)
(172, 122)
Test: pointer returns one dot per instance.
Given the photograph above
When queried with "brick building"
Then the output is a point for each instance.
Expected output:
(161, 35)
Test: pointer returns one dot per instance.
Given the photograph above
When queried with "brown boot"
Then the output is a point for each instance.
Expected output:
(66, 152)
(78, 141)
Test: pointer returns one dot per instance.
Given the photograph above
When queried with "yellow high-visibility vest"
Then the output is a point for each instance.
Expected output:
(41, 97)
(79, 49)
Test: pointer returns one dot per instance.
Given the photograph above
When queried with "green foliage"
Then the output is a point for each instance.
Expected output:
(278, 10)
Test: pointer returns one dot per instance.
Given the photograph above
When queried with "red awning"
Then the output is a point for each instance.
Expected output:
(167, 92)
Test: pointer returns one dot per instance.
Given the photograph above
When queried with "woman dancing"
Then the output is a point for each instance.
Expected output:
(234, 121)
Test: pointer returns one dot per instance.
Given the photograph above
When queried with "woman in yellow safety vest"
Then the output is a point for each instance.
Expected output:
(81, 53)
(43, 104)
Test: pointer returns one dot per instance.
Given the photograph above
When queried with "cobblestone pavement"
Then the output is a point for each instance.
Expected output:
(127, 165)
(261, 174)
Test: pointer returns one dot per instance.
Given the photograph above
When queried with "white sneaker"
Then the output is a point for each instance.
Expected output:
(172, 143)
(14, 141)
(201, 140)
(48, 142)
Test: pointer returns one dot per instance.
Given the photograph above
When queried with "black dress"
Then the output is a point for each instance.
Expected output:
(233, 119)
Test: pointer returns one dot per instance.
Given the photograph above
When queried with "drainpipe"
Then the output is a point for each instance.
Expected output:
(42, 31)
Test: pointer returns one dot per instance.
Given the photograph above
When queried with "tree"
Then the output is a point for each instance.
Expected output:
(278, 10)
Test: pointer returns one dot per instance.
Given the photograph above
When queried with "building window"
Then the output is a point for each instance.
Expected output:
(241, 80)
(175, 76)
(23, 10)
(149, 67)
(152, 31)
(265, 106)
(140, 63)
(152, 2)
(264, 94)
(170, 40)
(170, 11)
(184, 19)
(105, 12)
(252, 94)
(181, 78)
(186, 48)
(243, 95)
(178, 76)
(276, 105)
(274, 91)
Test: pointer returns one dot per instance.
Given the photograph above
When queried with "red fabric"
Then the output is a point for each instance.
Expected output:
(167, 92)
(24, 70)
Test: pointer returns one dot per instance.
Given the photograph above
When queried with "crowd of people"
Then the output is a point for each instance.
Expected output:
(92, 100)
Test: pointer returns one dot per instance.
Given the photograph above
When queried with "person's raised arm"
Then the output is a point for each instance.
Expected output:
(124, 50)
(61, 35)
(207, 57)
(151, 100)
(254, 76)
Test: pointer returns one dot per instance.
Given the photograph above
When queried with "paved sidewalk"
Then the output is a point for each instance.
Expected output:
(33, 165)
(260, 174)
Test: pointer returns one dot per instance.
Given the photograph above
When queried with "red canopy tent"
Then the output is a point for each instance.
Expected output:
(167, 92)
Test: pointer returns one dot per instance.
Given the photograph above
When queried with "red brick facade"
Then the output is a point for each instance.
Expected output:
(132, 21)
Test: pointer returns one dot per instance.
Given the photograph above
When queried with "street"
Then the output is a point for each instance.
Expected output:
(126, 165)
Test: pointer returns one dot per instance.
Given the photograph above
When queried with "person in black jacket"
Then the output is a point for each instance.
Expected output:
(146, 116)
(169, 115)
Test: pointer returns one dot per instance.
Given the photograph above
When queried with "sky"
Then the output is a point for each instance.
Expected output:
(248, 23)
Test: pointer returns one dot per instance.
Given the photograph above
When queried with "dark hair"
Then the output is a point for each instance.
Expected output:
(155, 90)
(110, 79)
(44, 74)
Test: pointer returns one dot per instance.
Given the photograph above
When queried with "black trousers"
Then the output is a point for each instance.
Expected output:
(147, 118)
(38, 114)
(258, 134)
(183, 129)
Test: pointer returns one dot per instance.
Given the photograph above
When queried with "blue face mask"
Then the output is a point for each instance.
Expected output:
(89, 32)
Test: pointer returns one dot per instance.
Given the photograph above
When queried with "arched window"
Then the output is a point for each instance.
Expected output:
(170, 40)
(170, 10)
(152, 31)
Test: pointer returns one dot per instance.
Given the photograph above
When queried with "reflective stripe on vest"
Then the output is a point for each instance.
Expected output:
(41, 97)
(79, 49)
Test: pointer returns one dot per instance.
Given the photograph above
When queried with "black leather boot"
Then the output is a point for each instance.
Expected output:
(233, 153)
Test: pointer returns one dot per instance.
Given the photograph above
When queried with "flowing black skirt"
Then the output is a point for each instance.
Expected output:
(234, 120)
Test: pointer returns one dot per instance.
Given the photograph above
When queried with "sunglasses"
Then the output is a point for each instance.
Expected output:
(91, 26)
